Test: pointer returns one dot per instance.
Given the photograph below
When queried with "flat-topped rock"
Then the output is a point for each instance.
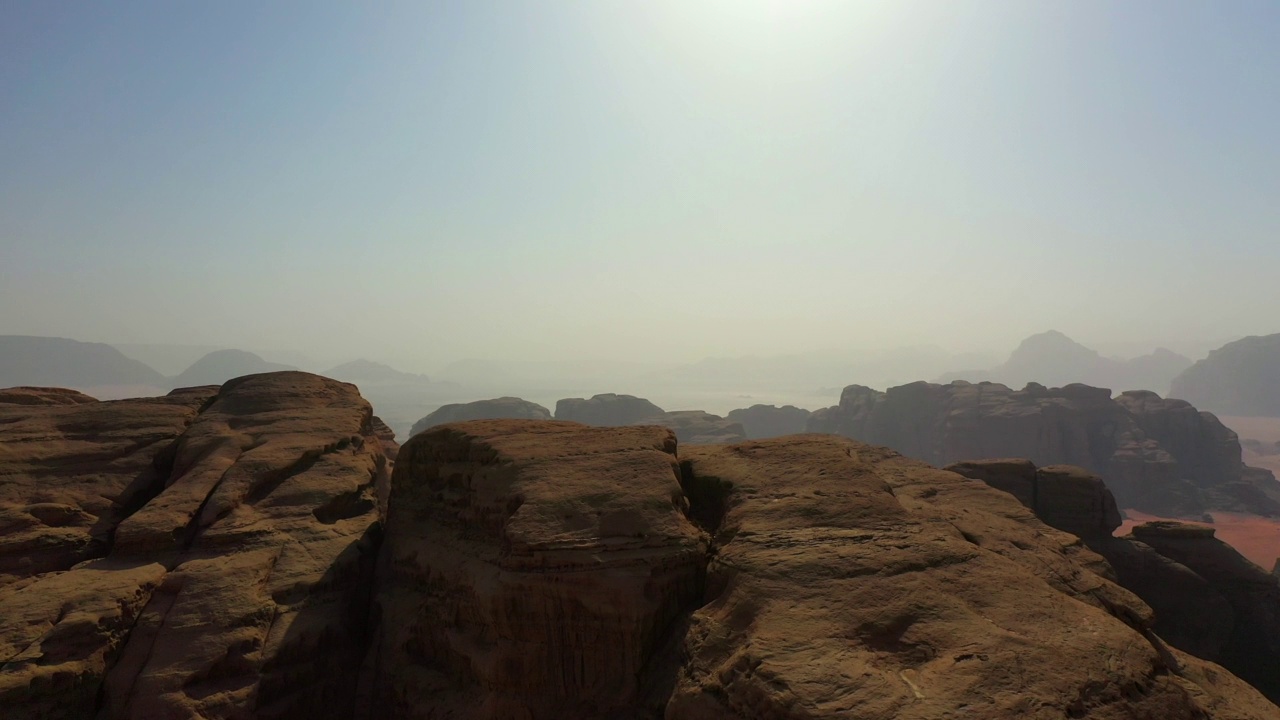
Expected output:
(607, 410)
(495, 409)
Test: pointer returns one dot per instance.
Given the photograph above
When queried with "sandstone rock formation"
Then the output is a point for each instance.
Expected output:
(207, 554)
(607, 410)
(496, 409)
(530, 570)
(697, 427)
(43, 396)
(722, 591)
(1159, 456)
(766, 421)
(230, 564)
(1208, 600)
(1239, 378)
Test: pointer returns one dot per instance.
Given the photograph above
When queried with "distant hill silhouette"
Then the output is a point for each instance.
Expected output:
(220, 366)
(1239, 378)
(1053, 359)
(59, 362)
(368, 371)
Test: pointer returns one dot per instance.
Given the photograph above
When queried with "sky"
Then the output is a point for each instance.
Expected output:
(423, 182)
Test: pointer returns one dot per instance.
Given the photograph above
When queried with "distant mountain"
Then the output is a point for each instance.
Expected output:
(59, 362)
(1055, 360)
(369, 372)
(220, 366)
(168, 359)
(1239, 378)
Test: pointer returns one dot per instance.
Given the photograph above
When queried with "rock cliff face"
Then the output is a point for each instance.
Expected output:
(1208, 599)
(218, 554)
(607, 410)
(698, 428)
(530, 570)
(207, 554)
(1159, 456)
(495, 409)
(766, 421)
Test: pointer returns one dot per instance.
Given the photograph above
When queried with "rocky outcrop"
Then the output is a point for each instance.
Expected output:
(1208, 599)
(225, 540)
(509, 408)
(766, 421)
(1252, 649)
(1158, 456)
(530, 570)
(547, 570)
(1239, 378)
(607, 410)
(697, 427)
(43, 396)
(1068, 498)
(963, 600)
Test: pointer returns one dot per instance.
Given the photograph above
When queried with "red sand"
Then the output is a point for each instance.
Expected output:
(1257, 538)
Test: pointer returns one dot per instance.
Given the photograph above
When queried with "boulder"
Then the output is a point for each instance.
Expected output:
(1068, 498)
(495, 409)
(766, 421)
(607, 410)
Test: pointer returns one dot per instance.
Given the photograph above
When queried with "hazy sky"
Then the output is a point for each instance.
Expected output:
(422, 182)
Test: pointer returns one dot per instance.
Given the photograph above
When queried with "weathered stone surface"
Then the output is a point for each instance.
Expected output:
(1252, 650)
(847, 581)
(1227, 614)
(496, 409)
(766, 421)
(1158, 456)
(70, 472)
(530, 569)
(43, 396)
(237, 574)
(607, 410)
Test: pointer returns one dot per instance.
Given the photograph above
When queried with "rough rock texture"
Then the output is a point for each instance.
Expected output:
(1158, 456)
(698, 428)
(495, 409)
(234, 532)
(607, 410)
(1068, 498)
(43, 396)
(548, 570)
(766, 421)
(1252, 650)
(529, 570)
(70, 473)
(1239, 378)
(1208, 600)
(918, 594)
